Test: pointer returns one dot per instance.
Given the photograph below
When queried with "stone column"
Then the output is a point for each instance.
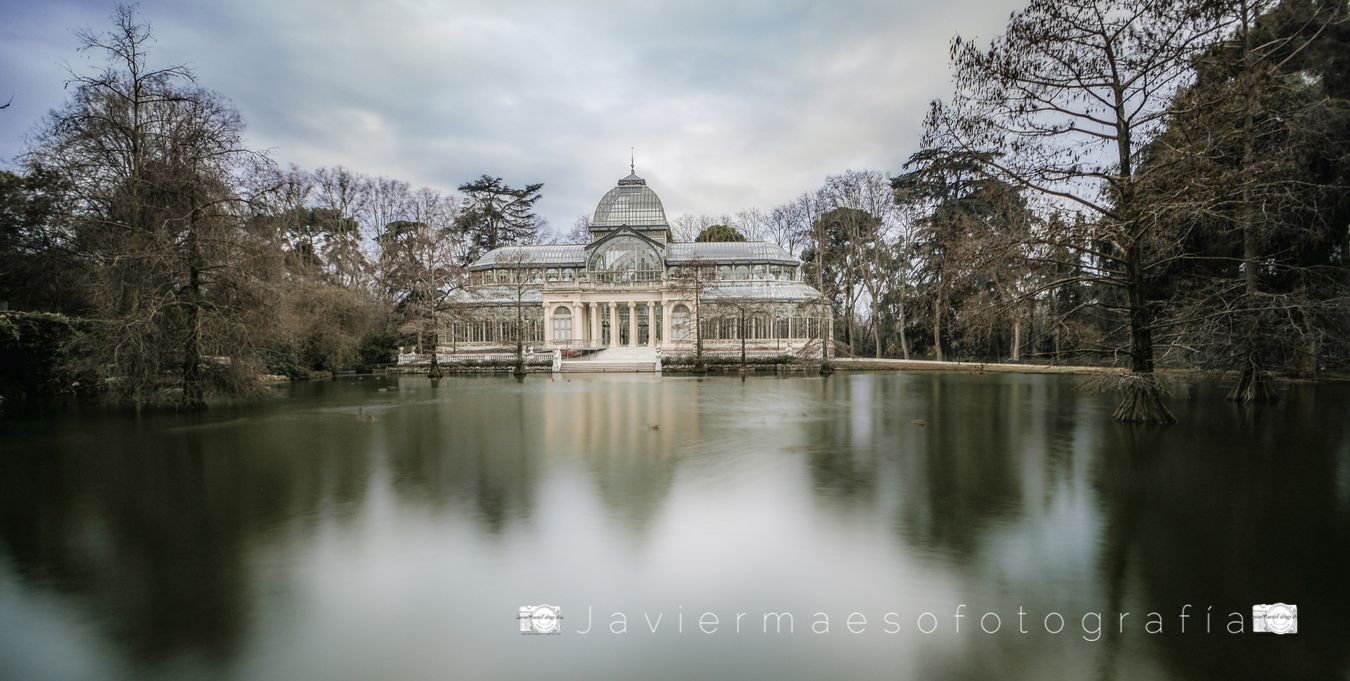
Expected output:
(577, 324)
(548, 325)
(651, 324)
(613, 324)
(595, 323)
(632, 324)
(666, 339)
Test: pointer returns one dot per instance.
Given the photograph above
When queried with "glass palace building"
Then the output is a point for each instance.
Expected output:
(633, 286)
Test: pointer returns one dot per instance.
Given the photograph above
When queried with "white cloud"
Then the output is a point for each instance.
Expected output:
(729, 104)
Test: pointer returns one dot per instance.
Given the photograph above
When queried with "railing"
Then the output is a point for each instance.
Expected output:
(594, 284)
(631, 280)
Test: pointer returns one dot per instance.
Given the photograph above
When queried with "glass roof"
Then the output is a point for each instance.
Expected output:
(729, 251)
(631, 203)
(561, 255)
(767, 291)
(574, 255)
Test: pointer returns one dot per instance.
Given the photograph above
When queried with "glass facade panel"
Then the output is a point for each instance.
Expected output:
(562, 324)
(679, 322)
(625, 259)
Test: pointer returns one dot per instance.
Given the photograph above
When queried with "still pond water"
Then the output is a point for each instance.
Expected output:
(386, 528)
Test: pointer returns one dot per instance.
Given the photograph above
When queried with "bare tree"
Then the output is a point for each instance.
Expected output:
(691, 280)
(420, 268)
(341, 197)
(1252, 143)
(581, 231)
(686, 227)
(1064, 104)
(180, 272)
(748, 309)
(787, 225)
(526, 278)
(752, 222)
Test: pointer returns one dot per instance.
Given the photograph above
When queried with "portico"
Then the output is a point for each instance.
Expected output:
(590, 322)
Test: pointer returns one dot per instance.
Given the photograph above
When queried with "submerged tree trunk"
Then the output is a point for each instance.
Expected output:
(1254, 384)
(1143, 403)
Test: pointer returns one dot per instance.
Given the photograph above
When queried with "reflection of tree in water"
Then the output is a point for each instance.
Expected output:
(471, 445)
(960, 471)
(842, 447)
(1229, 509)
(152, 520)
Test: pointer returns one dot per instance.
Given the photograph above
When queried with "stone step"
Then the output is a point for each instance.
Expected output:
(584, 366)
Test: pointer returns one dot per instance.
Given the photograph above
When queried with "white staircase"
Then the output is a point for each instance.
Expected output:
(614, 360)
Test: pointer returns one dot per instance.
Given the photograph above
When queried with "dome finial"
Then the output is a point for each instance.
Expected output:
(632, 165)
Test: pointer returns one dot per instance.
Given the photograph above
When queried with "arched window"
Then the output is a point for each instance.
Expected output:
(551, 274)
(759, 271)
(625, 259)
(562, 323)
(679, 322)
(742, 272)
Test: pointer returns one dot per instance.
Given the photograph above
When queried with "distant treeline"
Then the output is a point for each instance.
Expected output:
(1134, 182)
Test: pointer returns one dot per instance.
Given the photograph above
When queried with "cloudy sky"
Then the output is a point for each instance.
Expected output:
(729, 104)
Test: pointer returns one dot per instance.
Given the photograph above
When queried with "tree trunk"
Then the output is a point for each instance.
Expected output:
(698, 332)
(1143, 403)
(435, 370)
(826, 323)
(900, 328)
(848, 327)
(741, 327)
(520, 338)
(937, 326)
(1254, 384)
(1246, 209)
(1017, 339)
(193, 391)
(876, 330)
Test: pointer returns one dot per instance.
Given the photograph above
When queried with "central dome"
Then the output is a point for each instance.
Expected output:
(631, 203)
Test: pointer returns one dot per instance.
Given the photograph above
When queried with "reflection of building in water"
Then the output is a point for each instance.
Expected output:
(629, 431)
(632, 285)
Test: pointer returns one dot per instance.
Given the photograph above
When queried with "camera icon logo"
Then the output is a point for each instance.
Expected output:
(1275, 618)
(540, 619)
